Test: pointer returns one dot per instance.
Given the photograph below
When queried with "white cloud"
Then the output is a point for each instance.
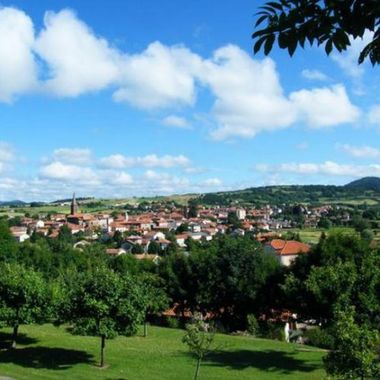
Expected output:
(118, 161)
(78, 61)
(325, 107)
(69, 173)
(176, 122)
(193, 170)
(348, 60)
(364, 151)
(249, 97)
(18, 70)
(120, 178)
(212, 182)
(328, 168)
(76, 156)
(6, 152)
(160, 76)
(314, 75)
(165, 161)
(248, 94)
(374, 115)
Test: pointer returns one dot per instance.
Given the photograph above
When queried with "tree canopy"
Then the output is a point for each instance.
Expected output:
(330, 23)
(101, 303)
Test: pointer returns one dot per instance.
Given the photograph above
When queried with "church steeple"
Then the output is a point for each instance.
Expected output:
(74, 206)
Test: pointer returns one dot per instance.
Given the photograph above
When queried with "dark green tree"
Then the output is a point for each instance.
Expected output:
(137, 248)
(101, 303)
(354, 354)
(154, 297)
(193, 208)
(8, 245)
(341, 271)
(24, 297)
(154, 248)
(329, 23)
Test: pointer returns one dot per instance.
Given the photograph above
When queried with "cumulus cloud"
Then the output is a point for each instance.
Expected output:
(328, 168)
(348, 60)
(120, 178)
(6, 152)
(78, 61)
(212, 182)
(325, 107)
(18, 69)
(159, 77)
(314, 75)
(69, 173)
(250, 98)
(76, 156)
(363, 151)
(118, 161)
(248, 95)
(115, 161)
(176, 122)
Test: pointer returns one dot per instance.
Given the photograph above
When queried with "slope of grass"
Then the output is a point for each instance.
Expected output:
(47, 352)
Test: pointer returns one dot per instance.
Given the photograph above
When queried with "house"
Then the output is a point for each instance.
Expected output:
(285, 251)
(115, 251)
(19, 233)
(240, 213)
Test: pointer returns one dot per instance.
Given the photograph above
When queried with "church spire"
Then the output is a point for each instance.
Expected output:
(74, 206)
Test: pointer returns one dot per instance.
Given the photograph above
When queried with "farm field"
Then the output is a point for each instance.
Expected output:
(47, 352)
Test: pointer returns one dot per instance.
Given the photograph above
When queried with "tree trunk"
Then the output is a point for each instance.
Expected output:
(14, 336)
(102, 346)
(196, 377)
(145, 329)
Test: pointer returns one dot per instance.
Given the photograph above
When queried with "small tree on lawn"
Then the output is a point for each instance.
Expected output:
(154, 297)
(24, 298)
(354, 355)
(199, 338)
(101, 303)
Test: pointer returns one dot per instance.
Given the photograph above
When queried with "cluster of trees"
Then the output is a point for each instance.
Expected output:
(293, 194)
(47, 280)
(229, 279)
(336, 287)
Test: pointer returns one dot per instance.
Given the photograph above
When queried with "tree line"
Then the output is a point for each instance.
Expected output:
(229, 280)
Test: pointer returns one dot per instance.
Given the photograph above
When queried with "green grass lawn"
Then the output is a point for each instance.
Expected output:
(47, 352)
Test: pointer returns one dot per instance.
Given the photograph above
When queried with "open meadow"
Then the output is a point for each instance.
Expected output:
(47, 352)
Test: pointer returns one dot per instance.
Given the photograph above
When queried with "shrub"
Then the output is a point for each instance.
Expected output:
(271, 330)
(173, 322)
(252, 325)
(321, 338)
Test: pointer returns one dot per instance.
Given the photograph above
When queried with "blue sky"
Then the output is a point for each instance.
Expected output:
(141, 98)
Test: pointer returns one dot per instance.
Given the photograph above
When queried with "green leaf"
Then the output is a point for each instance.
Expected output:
(329, 46)
(260, 20)
(283, 40)
(258, 44)
(275, 5)
(292, 46)
(269, 44)
(259, 33)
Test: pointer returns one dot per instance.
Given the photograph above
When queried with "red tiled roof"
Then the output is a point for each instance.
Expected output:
(289, 247)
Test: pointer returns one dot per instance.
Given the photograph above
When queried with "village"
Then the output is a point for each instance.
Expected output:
(149, 233)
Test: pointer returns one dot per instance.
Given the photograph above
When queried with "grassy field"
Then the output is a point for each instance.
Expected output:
(312, 235)
(47, 352)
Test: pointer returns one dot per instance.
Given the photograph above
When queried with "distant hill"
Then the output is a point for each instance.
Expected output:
(366, 183)
(14, 203)
(365, 190)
